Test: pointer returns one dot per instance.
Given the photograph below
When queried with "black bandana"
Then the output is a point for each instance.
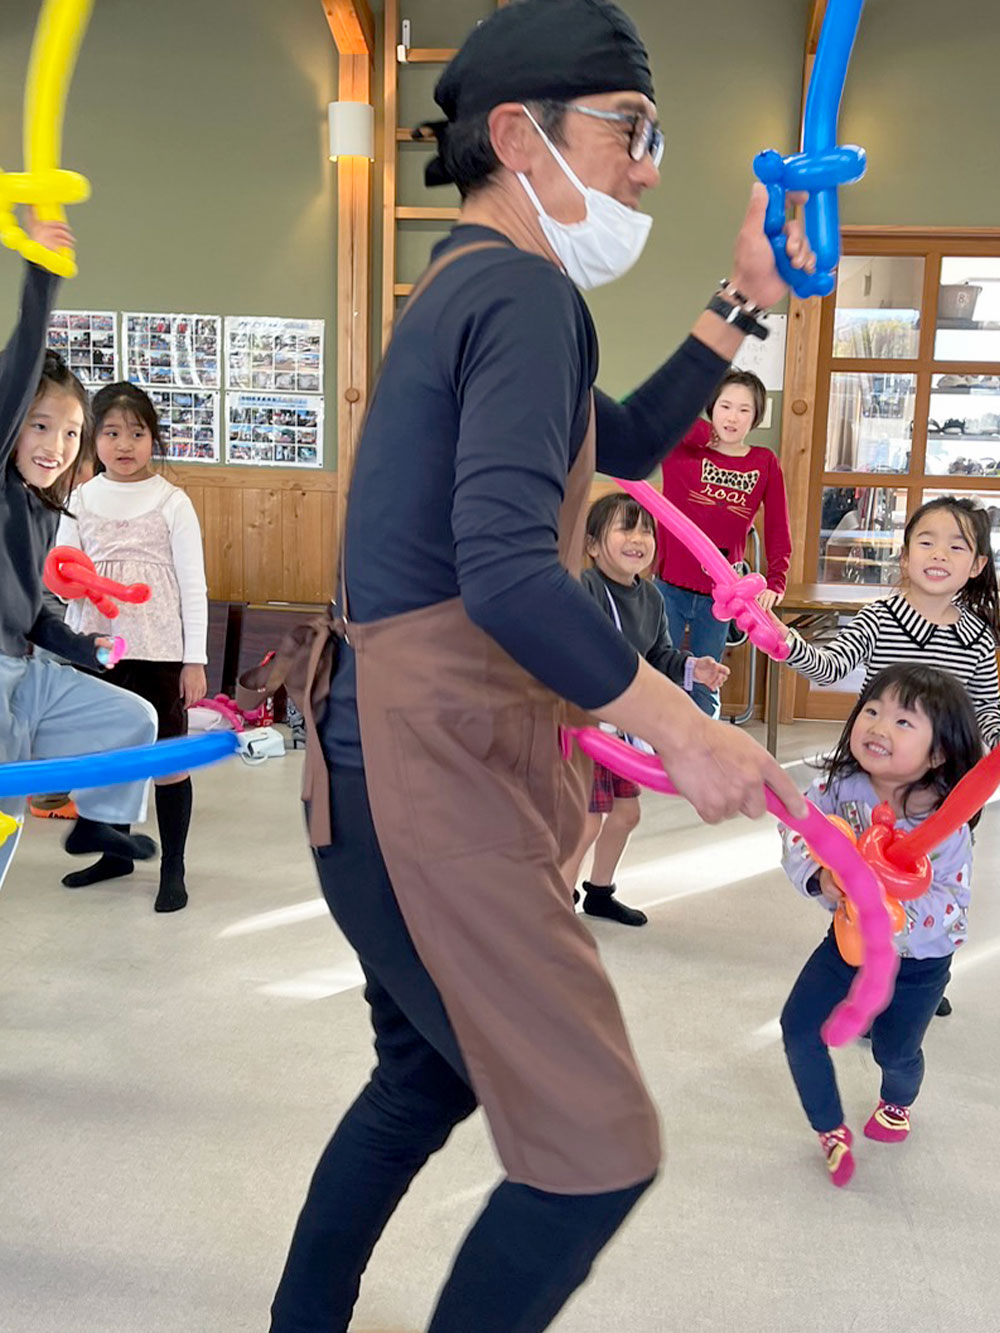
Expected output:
(540, 50)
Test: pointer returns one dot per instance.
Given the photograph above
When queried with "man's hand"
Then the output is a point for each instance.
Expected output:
(722, 772)
(754, 271)
(707, 671)
(194, 683)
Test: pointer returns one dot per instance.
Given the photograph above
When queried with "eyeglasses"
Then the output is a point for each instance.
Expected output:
(645, 135)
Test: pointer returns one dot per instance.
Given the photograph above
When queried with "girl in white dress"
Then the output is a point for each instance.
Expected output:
(138, 528)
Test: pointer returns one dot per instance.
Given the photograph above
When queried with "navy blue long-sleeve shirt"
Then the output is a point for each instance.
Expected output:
(27, 526)
(479, 414)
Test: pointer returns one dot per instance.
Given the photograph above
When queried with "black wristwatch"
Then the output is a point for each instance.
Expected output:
(737, 316)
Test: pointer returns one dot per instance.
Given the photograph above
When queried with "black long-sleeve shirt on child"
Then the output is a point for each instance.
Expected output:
(643, 619)
(27, 526)
(480, 412)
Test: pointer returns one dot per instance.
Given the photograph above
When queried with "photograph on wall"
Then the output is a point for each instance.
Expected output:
(182, 350)
(274, 355)
(274, 430)
(189, 423)
(87, 340)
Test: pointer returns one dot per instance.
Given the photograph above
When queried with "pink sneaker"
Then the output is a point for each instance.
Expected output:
(888, 1123)
(836, 1144)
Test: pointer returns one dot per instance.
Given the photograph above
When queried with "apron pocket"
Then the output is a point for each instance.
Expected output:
(463, 777)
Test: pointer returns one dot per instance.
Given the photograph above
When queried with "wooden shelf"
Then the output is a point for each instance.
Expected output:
(429, 55)
(402, 288)
(407, 212)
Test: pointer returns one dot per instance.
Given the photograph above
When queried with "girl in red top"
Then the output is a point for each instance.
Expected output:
(720, 482)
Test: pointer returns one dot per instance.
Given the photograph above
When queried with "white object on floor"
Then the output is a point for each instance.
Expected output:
(261, 743)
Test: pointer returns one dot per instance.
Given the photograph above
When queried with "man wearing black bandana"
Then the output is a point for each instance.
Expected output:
(469, 641)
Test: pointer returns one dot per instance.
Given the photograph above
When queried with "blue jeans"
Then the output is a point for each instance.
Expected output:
(897, 1033)
(692, 611)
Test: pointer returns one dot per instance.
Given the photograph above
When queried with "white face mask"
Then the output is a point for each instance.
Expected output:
(605, 244)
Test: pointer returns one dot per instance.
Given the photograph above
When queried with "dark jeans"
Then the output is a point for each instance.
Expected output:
(693, 611)
(896, 1034)
(528, 1250)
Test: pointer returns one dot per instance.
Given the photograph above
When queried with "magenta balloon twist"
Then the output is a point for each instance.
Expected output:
(734, 597)
(873, 984)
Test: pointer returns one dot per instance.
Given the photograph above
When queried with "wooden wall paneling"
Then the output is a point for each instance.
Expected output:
(263, 574)
(302, 547)
(222, 532)
(331, 518)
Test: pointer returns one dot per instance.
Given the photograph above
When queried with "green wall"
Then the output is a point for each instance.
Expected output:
(202, 127)
(923, 97)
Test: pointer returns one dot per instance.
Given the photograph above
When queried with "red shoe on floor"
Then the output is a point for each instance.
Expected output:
(839, 1160)
(67, 810)
(888, 1123)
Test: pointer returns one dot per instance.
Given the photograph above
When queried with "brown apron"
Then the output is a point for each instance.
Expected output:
(475, 813)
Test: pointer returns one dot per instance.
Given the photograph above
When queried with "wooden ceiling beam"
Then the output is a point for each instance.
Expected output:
(352, 25)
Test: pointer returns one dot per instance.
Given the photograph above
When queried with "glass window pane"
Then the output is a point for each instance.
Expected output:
(878, 306)
(861, 530)
(870, 423)
(968, 317)
(990, 500)
(963, 429)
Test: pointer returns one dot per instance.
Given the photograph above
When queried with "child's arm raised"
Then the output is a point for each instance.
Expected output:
(21, 360)
(834, 661)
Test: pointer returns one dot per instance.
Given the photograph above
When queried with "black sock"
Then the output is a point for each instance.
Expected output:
(108, 867)
(600, 900)
(173, 814)
(87, 835)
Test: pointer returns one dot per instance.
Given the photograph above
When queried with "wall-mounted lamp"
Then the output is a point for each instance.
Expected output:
(352, 130)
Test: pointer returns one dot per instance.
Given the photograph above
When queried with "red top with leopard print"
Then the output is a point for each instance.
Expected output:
(722, 495)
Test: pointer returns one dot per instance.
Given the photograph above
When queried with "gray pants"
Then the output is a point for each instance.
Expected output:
(49, 711)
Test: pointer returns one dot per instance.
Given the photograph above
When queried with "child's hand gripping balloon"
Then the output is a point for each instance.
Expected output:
(846, 927)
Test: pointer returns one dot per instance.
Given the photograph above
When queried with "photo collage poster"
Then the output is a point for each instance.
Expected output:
(274, 404)
(177, 360)
(280, 429)
(189, 422)
(87, 340)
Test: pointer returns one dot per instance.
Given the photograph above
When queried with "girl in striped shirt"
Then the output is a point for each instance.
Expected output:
(946, 613)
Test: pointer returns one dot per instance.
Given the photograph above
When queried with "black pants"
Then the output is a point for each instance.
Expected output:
(528, 1250)
(897, 1034)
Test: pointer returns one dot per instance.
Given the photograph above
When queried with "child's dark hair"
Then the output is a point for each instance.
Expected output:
(131, 401)
(980, 594)
(56, 374)
(745, 379)
(613, 509)
(954, 729)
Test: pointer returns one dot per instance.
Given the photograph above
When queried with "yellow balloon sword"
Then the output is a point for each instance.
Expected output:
(44, 184)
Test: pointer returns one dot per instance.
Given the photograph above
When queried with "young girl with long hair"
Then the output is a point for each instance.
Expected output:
(139, 528)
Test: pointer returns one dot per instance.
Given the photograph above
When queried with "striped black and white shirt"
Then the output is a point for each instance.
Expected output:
(890, 631)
